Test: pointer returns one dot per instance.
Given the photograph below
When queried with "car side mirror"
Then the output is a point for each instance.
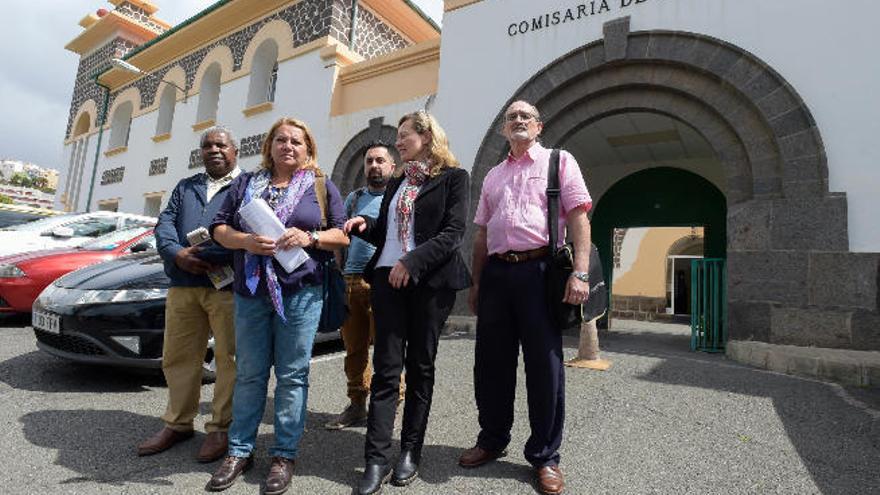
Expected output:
(141, 247)
(64, 232)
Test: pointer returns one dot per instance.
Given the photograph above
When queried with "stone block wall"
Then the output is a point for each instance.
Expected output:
(641, 308)
(805, 297)
(309, 20)
(791, 277)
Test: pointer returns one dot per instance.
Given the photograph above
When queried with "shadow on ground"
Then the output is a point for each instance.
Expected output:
(40, 372)
(99, 445)
(840, 459)
(17, 320)
(338, 456)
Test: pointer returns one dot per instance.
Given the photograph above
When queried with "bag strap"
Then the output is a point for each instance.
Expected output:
(358, 193)
(553, 198)
(321, 193)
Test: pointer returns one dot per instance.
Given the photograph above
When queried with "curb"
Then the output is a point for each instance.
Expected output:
(859, 368)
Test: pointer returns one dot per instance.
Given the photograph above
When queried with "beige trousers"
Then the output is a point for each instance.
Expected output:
(192, 314)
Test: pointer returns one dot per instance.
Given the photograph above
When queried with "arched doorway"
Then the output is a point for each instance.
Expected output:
(660, 197)
(779, 211)
(348, 172)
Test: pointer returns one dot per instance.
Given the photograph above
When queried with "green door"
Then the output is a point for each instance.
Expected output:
(660, 197)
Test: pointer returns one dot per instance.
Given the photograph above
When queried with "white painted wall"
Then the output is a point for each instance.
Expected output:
(629, 250)
(307, 98)
(825, 50)
(304, 91)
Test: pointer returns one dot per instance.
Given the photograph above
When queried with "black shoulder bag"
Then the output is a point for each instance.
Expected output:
(333, 310)
(562, 259)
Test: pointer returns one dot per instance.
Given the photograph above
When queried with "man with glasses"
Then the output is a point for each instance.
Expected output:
(510, 259)
(195, 308)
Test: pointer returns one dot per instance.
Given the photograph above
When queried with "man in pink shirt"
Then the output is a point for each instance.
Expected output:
(510, 261)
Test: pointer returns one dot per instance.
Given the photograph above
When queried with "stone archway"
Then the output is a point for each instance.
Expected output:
(780, 213)
(348, 172)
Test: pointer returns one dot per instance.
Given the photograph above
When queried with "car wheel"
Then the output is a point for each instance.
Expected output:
(209, 365)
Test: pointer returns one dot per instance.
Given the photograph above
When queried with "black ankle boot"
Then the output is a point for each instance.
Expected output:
(407, 468)
(375, 475)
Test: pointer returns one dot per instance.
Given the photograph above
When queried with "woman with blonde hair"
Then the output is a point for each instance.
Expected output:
(276, 312)
(413, 275)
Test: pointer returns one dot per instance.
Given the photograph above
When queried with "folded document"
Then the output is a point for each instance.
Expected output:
(263, 221)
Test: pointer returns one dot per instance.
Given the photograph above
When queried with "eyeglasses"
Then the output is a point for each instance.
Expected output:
(514, 116)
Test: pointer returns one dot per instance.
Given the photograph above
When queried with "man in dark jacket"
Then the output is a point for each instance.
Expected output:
(195, 308)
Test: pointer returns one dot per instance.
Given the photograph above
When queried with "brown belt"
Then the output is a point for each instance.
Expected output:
(520, 256)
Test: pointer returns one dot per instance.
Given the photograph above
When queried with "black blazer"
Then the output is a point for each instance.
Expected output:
(440, 210)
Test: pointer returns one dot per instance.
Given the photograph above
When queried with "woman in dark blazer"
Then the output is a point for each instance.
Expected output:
(414, 274)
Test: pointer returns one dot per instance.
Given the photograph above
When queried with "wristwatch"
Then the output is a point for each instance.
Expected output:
(314, 236)
(582, 276)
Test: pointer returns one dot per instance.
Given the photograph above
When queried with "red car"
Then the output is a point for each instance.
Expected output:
(23, 276)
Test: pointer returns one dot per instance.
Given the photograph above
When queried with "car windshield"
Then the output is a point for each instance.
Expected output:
(112, 240)
(93, 227)
(42, 224)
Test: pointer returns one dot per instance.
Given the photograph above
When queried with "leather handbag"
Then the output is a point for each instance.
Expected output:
(562, 259)
(333, 309)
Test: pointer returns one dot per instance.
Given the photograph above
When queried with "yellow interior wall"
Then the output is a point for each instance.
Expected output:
(647, 276)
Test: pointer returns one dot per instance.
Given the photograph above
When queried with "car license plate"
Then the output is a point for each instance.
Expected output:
(47, 322)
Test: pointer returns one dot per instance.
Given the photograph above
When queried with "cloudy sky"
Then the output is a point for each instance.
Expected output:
(36, 82)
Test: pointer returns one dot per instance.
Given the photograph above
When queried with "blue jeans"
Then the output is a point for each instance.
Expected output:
(262, 340)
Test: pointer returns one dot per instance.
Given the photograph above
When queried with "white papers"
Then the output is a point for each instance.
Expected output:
(262, 219)
(220, 276)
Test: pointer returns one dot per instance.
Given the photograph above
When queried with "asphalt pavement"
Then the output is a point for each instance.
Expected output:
(662, 420)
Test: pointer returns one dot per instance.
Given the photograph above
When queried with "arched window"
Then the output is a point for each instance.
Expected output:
(83, 124)
(264, 73)
(166, 110)
(70, 195)
(209, 94)
(120, 125)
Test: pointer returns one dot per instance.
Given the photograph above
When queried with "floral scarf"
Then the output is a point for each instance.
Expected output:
(416, 173)
(301, 181)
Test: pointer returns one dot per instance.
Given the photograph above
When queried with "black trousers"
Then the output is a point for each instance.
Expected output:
(512, 311)
(408, 323)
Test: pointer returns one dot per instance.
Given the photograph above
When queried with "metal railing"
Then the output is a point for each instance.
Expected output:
(708, 305)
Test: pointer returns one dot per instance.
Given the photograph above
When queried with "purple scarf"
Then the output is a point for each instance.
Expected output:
(301, 181)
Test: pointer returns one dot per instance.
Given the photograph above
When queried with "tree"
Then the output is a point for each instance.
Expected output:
(41, 183)
(20, 179)
(6, 200)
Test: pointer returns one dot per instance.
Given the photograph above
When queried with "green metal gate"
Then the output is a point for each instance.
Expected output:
(708, 305)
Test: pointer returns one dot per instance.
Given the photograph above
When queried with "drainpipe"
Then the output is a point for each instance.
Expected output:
(354, 14)
(101, 119)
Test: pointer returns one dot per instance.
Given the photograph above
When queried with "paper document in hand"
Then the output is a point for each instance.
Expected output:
(263, 221)
(220, 276)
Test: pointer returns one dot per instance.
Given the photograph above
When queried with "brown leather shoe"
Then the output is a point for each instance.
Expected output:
(477, 456)
(214, 447)
(162, 441)
(228, 472)
(550, 480)
(280, 475)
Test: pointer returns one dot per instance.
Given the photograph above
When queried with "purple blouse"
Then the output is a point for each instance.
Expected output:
(306, 216)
